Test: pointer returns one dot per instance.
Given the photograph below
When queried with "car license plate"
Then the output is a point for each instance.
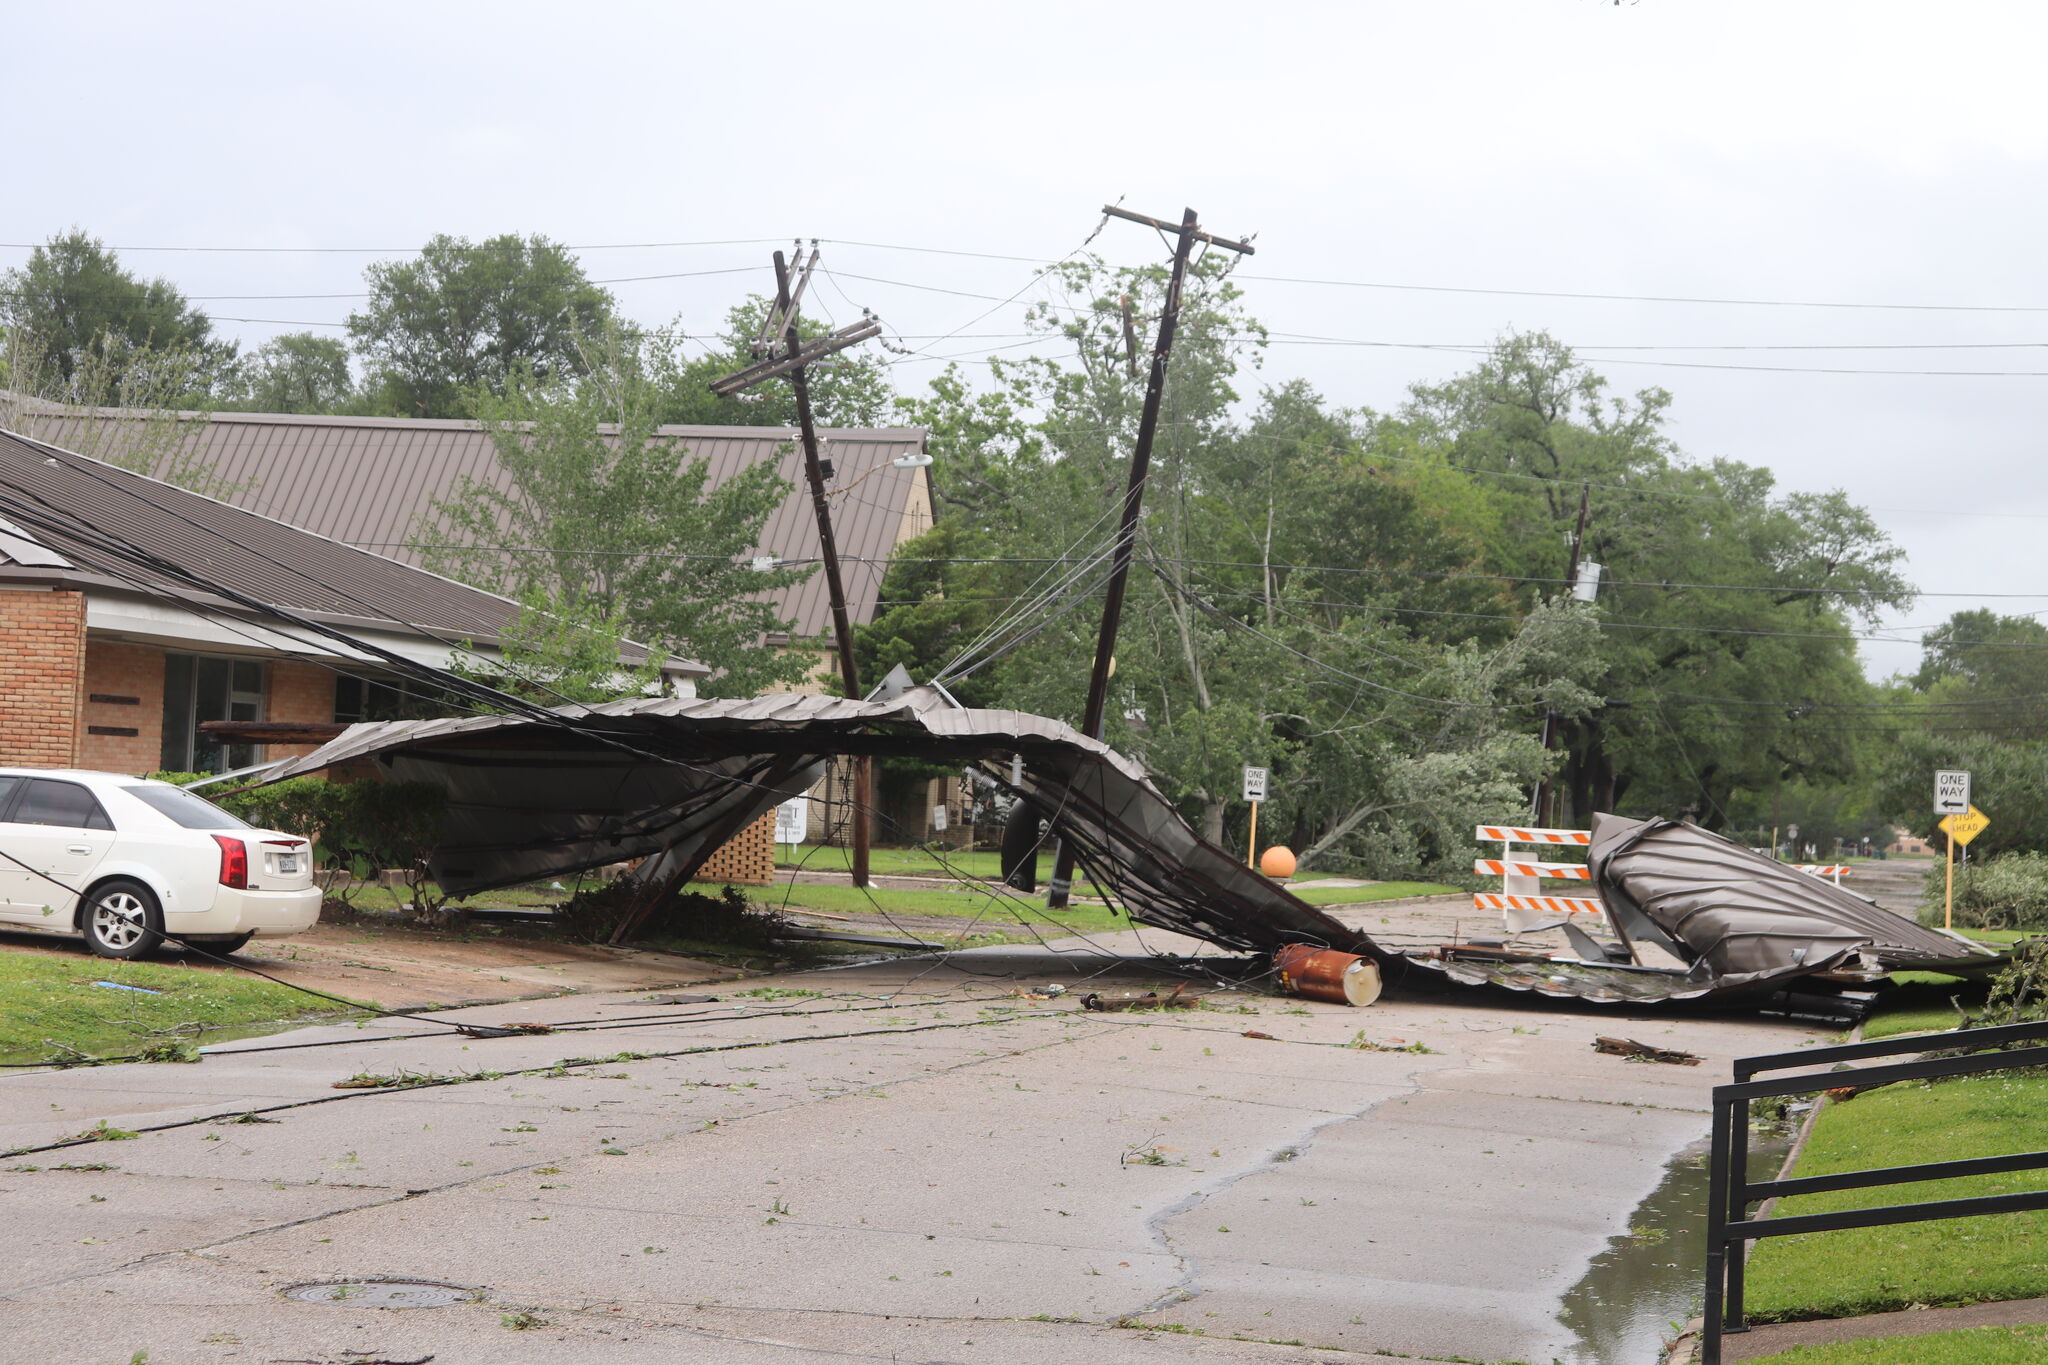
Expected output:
(288, 865)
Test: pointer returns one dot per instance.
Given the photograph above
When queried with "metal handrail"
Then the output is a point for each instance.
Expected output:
(1730, 1191)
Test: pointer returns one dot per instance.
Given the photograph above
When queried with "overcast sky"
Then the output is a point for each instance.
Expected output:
(1855, 152)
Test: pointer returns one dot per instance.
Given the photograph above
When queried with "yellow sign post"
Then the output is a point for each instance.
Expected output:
(1960, 829)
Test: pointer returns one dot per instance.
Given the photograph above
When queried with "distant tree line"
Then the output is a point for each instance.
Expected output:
(1369, 602)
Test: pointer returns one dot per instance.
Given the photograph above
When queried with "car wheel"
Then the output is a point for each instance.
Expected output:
(221, 947)
(122, 920)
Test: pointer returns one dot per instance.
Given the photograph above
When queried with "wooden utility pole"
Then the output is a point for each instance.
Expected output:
(792, 359)
(1538, 814)
(1189, 232)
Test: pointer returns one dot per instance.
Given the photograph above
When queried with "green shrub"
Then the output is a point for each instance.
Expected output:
(305, 806)
(362, 826)
(2009, 891)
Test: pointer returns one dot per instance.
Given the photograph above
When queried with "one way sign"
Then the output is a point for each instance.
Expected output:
(1951, 792)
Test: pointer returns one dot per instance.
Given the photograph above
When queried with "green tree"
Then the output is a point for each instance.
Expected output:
(464, 318)
(294, 372)
(78, 306)
(851, 389)
(1979, 701)
(561, 650)
(1729, 657)
(602, 518)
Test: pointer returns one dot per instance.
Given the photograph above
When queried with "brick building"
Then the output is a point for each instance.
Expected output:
(372, 482)
(114, 664)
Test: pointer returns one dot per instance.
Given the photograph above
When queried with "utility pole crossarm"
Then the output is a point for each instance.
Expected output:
(785, 361)
(1242, 245)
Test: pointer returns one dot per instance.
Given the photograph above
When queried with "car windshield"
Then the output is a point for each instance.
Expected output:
(193, 812)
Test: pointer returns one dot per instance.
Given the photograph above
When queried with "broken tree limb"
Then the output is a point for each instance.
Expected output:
(1643, 1052)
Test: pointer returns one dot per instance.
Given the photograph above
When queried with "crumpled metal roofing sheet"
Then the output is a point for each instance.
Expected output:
(528, 798)
(1740, 913)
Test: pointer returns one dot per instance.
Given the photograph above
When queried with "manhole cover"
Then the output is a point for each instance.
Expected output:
(381, 1293)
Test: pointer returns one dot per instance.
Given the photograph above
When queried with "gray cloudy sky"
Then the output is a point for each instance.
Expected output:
(1853, 151)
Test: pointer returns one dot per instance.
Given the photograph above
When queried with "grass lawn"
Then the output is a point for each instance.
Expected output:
(1973, 1346)
(1964, 1260)
(1923, 1002)
(45, 1000)
(997, 913)
(904, 862)
(1378, 891)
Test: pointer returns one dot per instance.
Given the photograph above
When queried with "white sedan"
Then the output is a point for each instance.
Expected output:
(124, 860)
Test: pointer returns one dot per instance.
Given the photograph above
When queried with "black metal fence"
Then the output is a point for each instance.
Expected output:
(1730, 1191)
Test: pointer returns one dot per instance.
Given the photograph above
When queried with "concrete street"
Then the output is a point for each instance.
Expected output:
(919, 1164)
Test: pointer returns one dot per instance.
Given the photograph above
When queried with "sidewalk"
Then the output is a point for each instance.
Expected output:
(918, 1162)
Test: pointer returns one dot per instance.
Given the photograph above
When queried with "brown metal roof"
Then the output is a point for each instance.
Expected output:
(369, 482)
(52, 500)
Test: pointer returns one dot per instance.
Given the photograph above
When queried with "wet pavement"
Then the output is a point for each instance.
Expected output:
(920, 1162)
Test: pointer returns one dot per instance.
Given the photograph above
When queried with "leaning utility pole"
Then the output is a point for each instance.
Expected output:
(1538, 813)
(1058, 889)
(792, 359)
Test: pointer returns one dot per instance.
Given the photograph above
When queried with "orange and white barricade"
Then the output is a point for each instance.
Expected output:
(1522, 901)
(1834, 872)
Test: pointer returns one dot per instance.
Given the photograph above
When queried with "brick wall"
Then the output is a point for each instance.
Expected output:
(747, 859)
(298, 691)
(42, 668)
(124, 691)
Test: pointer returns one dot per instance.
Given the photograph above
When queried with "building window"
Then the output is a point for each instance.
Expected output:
(359, 699)
(198, 689)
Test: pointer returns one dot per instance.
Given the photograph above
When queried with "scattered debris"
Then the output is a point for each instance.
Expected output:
(380, 1293)
(249, 1117)
(1643, 1052)
(117, 986)
(403, 1079)
(1362, 1043)
(678, 998)
(101, 1133)
(1254, 1033)
(1138, 1000)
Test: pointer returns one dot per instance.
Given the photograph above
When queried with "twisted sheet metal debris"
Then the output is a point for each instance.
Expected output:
(531, 798)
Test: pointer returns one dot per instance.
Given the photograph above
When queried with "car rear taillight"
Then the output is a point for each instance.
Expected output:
(234, 862)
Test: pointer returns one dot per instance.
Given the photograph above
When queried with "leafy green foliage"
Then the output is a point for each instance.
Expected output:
(2009, 891)
(850, 390)
(464, 318)
(557, 652)
(607, 526)
(81, 305)
(2019, 993)
(1368, 604)
(2001, 761)
(294, 372)
(1980, 702)
(364, 826)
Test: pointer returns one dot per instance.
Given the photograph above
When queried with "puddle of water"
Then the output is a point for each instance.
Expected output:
(1622, 1311)
(122, 1044)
